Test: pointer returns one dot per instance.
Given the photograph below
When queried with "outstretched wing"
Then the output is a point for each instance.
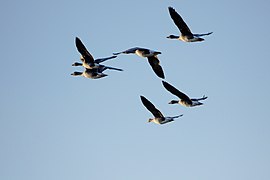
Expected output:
(179, 22)
(205, 34)
(100, 60)
(103, 68)
(154, 63)
(84, 52)
(128, 51)
(200, 99)
(176, 92)
(156, 113)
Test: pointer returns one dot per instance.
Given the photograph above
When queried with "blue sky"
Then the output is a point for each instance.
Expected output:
(55, 126)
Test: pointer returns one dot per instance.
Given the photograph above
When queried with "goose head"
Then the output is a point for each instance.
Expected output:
(150, 120)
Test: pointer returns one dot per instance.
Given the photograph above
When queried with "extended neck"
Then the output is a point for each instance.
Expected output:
(173, 37)
(77, 64)
(77, 73)
(174, 102)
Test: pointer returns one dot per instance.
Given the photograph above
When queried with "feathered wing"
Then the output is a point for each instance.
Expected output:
(179, 22)
(174, 117)
(176, 92)
(102, 68)
(154, 63)
(204, 34)
(84, 52)
(100, 60)
(156, 113)
(200, 99)
(128, 51)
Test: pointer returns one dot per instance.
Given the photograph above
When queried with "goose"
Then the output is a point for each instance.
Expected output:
(95, 73)
(97, 62)
(186, 34)
(150, 55)
(87, 59)
(158, 116)
(90, 73)
(184, 99)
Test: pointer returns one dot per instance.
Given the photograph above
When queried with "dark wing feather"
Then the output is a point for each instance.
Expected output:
(156, 113)
(84, 52)
(100, 60)
(179, 22)
(176, 92)
(154, 63)
(128, 51)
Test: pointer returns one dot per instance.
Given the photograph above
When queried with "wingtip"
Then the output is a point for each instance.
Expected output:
(142, 98)
(78, 41)
(171, 9)
(164, 83)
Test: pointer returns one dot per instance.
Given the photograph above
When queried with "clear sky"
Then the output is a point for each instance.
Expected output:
(54, 126)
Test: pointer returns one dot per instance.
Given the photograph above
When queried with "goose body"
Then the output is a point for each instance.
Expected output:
(185, 33)
(90, 73)
(98, 68)
(183, 98)
(95, 73)
(150, 55)
(158, 116)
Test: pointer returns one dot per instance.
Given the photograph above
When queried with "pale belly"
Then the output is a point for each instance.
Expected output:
(139, 53)
(87, 75)
(189, 39)
(144, 54)
(184, 38)
(184, 103)
(156, 121)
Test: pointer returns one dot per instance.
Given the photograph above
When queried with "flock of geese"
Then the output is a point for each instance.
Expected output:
(94, 69)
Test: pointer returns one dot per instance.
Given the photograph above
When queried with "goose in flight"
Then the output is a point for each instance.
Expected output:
(186, 34)
(183, 99)
(97, 61)
(158, 116)
(95, 73)
(87, 59)
(150, 55)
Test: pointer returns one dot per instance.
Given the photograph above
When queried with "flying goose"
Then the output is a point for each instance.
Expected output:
(186, 34)
(95, 73)
(150, 55)
(90, 73)
(87, 59)
(158, 116)
(183, 99)
(97, 61)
